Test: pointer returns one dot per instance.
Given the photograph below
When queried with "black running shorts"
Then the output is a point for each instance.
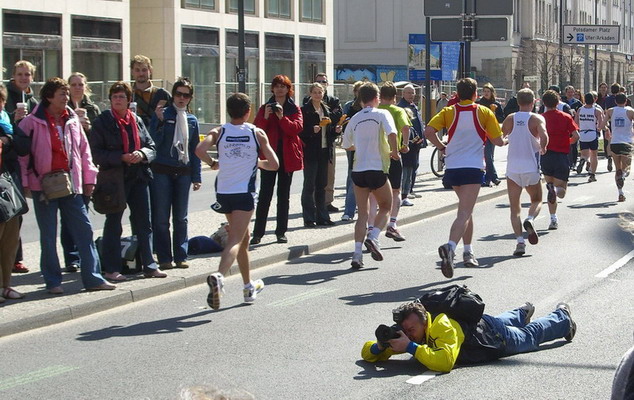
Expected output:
(369, 179)
(556, 165)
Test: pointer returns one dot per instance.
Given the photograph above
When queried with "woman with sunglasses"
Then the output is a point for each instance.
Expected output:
(176, 169)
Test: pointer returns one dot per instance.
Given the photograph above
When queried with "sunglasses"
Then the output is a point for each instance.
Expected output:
(183, 95)
(321, 81)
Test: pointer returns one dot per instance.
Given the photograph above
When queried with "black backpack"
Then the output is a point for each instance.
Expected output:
(457, 301)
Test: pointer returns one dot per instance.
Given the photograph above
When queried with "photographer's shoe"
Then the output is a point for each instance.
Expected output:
(357, 260)
(251, 292)
(529, 310)
(573, 326)
(446, 260)
(374, 249)
(216, 285)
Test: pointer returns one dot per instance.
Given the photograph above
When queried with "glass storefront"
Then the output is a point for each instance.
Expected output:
(279, 57)
(97, 48)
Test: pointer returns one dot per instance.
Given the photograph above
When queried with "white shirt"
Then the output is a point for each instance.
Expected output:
(523, 151)
(238, 150)
(621, 125)
(368, 130)
(587, 124)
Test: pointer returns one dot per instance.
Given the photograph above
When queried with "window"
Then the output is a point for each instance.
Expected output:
(203, 4)
(252, 56)
(312, 10)
(200, 62)
(97, 48)
(278, 9)
(249, 6)
(279, 56)
(35, 38)
(312, 58)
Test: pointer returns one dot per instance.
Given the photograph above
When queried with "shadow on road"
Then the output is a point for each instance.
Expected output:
(168, 325)
(400, 295)
(594, 205)
(388, 369)
(312, 278)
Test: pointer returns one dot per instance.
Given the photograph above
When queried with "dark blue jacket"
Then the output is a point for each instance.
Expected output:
(162, 133)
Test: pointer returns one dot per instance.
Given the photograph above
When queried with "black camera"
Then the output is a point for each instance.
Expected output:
(275, 107)
(385, 333)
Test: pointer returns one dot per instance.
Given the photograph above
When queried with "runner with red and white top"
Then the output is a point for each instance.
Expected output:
(469, 125)
(562, 131)
(527, 137)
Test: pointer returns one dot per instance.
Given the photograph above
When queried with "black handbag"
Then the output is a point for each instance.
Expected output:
(109, 194)
(12, 202)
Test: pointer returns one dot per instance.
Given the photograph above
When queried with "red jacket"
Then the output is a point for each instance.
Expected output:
(288, 128)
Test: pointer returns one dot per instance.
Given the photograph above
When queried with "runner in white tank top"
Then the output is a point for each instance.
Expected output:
(238, 145)
(589, 118)
(622, 137)
(527, 138)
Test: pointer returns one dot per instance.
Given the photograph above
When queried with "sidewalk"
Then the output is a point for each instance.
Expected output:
(41, 309)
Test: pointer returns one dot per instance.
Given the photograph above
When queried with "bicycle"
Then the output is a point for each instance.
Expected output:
(437, 163)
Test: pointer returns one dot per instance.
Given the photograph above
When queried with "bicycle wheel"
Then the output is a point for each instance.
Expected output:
(437, 163)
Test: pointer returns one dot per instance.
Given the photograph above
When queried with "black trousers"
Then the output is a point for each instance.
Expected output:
(267, 183)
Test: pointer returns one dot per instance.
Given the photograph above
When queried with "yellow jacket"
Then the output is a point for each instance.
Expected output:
(443, 339)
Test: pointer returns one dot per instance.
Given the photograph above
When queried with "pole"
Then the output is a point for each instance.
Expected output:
(562, 4)
(427, 70)
(467, 36)
(596, 62)
(586, 76)
(242, 87)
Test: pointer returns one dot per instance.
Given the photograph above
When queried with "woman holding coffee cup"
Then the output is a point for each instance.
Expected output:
(488, 100)
(80, 93)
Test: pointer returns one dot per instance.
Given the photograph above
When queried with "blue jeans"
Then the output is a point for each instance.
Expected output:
(408, 180)
(351, 202)
(138, 199)
(75, 216)
(520, 338)
(491, 173)
(170, 193)
(71, 254)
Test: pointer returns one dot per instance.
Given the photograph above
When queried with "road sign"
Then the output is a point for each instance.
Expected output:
(448, 8)
(486, 29)
(591, 34)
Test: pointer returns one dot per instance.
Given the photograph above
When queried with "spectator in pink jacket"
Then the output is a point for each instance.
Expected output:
(51, 139)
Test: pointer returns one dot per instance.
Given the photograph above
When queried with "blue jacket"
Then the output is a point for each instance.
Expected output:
(162, 133)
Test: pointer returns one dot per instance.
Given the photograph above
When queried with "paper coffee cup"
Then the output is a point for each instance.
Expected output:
(21, 105)
(132, 106)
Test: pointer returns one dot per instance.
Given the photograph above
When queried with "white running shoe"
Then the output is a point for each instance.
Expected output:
(357, 260)
(407, 203)
(216, 283)
(251, 292)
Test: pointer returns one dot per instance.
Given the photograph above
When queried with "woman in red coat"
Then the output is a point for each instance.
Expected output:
(282, 121)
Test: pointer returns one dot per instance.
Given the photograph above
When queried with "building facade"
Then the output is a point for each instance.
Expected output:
(531, 50)
(194, 38)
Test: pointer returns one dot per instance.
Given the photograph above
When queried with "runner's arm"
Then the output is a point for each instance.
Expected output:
(271, 163)
(507, 125)
(204, 146)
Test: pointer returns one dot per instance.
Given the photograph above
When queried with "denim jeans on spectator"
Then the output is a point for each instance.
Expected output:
(267, 183)
(520, 338)
(71, 254)
(351, 203)
(408, 183)
(491, 173)
(138, 199)
(75, 216)
(314, 190)
(170, 194)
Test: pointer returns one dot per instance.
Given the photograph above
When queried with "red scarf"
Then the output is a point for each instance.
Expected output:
(59, 160)
(122, 123)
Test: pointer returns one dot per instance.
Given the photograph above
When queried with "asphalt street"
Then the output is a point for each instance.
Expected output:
(302, 338)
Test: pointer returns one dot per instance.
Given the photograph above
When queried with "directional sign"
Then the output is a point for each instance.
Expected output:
(448, 8)
(486, 29)
(591, 34)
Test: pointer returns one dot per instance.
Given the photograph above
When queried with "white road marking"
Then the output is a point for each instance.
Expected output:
(424, 377)
(309, 294)
(618, 264)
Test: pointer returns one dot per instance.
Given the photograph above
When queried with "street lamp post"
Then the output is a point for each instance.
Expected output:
(242, 87)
